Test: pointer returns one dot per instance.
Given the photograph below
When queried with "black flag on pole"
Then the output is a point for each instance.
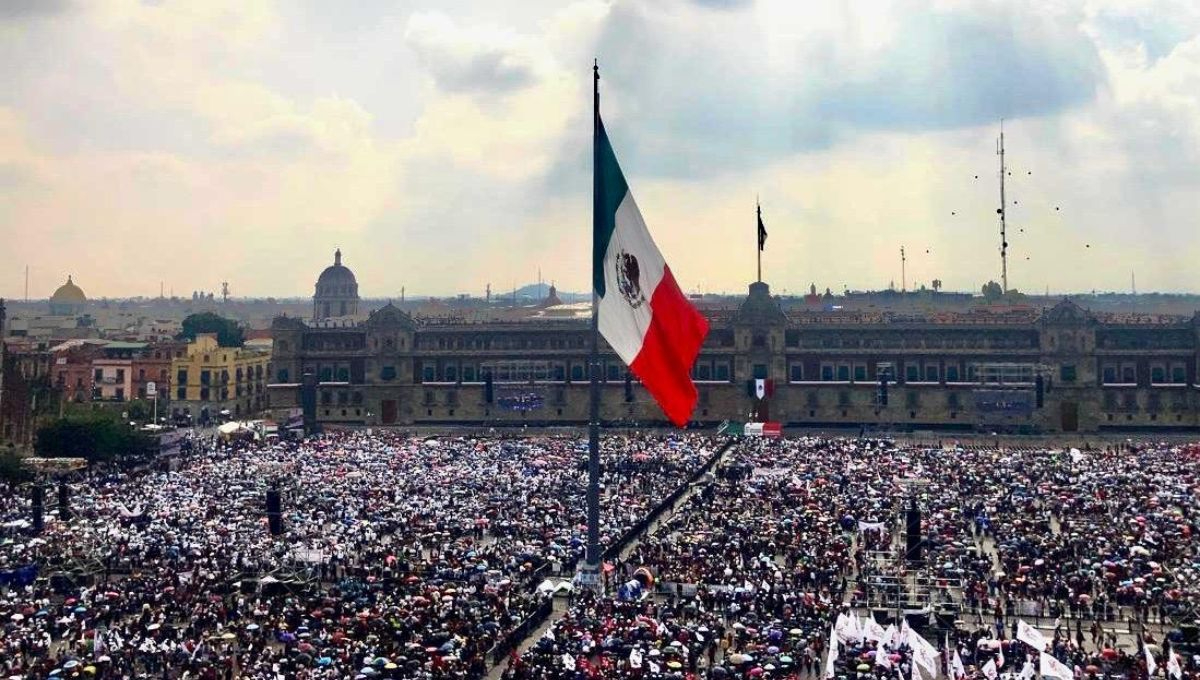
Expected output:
(762, 231)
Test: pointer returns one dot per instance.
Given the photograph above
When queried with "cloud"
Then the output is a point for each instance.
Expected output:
(25, 9)
(701, 105)
(247, 127)
(474, 60)
(724, 4)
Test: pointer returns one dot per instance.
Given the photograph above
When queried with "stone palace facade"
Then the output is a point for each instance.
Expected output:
(1061, 369)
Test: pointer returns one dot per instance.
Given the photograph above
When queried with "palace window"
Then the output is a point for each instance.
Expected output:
(722, 372)
(860, 372)
(797, 372)
(1158, 374)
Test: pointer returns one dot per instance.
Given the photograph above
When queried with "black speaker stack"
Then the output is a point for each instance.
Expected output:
(274, 512)
(39, 508)
(64, 502)
(913, 545)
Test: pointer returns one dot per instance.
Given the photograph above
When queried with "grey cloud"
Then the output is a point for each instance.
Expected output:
(693, 107)
(485, 71)
(461, 64)
(23, 9)
(1158, 29)
(724, 4)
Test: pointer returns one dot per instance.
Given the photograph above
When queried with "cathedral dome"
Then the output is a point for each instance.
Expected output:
(336, 273)
(336, 291)
(69, 293)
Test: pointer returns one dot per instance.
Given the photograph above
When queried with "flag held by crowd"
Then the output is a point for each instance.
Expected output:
(1031, 636)
(1053, 668)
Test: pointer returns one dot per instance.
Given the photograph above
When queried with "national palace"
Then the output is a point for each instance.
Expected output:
(1057, 369)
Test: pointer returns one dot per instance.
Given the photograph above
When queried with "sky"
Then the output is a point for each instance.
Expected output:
(445, 145)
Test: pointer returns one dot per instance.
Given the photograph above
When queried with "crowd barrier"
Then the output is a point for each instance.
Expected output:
(506, 644)
(613, 551)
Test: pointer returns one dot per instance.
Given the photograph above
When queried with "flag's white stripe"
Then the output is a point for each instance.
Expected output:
(624, 326)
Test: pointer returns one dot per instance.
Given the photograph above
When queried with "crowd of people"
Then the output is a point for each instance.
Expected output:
(796, 535)
(403, 557)
(398, 557)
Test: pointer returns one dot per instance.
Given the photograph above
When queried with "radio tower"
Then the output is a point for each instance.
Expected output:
(1002, 211)
(903, 272)
(224, 292)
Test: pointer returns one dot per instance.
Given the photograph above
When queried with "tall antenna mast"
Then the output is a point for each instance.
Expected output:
(903, 272)
(1003, 211)
(26, 283)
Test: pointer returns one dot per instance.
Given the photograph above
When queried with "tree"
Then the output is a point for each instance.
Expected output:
(229, 333)
(10, 467)
(992, 291)
(96, 439)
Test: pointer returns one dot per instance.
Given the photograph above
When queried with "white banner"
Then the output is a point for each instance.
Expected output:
(871, 526)
(924, 653)
(1053, 668)
(847, 628)
(873, 631)
(956, 666)
(833, 653)
(1031, 636)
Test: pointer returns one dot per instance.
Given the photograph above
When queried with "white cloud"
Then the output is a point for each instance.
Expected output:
(130, 127)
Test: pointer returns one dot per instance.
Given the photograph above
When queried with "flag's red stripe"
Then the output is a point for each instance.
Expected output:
(664, 364)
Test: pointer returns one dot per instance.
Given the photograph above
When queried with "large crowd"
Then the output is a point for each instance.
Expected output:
(758, 571)
(398, 558)
(408, 557)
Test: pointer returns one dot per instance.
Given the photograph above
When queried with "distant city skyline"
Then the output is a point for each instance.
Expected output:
(446, 145)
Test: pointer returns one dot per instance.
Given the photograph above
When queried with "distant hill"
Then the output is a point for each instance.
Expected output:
(535, 292)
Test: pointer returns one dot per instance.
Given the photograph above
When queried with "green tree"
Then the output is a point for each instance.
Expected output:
(10, 466)
(96, 439)
(992, 291)
(229, 333)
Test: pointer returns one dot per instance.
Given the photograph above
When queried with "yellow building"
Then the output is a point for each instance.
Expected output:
(214, 382)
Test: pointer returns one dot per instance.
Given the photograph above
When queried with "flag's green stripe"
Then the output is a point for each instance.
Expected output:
(608, 190)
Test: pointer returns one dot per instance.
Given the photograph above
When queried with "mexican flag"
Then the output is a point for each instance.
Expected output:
(643, 315)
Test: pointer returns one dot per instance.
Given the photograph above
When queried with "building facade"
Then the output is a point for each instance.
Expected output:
(1061, 369)
(211, 381)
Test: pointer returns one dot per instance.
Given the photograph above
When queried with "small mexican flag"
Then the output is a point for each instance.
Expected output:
(643, 315)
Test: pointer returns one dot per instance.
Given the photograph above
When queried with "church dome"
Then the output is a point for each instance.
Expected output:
(337, 273)
(69, 293)
(336, 291)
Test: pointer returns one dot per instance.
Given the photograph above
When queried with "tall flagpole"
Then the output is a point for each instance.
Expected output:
(758, 239)
(593, 490)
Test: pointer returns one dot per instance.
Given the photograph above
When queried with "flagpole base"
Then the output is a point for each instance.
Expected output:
(590, 577)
